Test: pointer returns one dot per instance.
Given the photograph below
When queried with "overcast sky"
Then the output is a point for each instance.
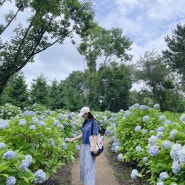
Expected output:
(144, 22)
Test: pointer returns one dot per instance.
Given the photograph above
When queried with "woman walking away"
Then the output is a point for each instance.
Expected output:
(87, 160)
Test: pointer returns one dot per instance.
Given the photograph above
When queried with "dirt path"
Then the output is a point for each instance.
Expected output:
(102, 165)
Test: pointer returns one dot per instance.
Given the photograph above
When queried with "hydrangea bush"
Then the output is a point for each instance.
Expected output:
(155, 141)
(35, 143)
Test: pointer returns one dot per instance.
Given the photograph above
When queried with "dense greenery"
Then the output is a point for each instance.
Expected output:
(151, 140)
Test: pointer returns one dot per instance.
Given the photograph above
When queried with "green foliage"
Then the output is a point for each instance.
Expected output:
(40, 133)
(175, 54)
(139, 130)
(39, 91)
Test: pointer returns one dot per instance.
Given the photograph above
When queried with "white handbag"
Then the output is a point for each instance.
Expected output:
(99, 142)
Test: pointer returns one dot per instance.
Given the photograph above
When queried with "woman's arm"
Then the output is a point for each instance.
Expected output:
(75, 138)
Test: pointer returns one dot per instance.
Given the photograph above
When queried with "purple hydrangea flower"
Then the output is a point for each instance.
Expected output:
(2, 145)
(24, 165)
(22, 122)
(160, 183)
(182, 118)
(120, 157)
(160, 129)
(146, 118)
(166, 144)
(167, 122)
(138, 149)
(156, 106)
(134, 174)
(181, 155)
(152, 140)
(153, 151)
(145, 159)
(40, 176)
(137, 128)
(162, 117)
(175, 167)
(32, 127)
(77, 147)
(11, 180)
(173, 133)
(9, 155)
(163, 176)
(174, 151)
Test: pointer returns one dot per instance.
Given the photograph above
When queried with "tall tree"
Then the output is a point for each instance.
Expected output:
(39, 91)
(16, 91)
(114, 85)
(36, 25)
(175, 54)
(153, 72)
(111, 45)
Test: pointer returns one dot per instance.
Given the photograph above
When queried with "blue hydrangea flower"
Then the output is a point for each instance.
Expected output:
(176, 167)
(159, 134)
(145, 159)
(67, 139)
(166, 144)
(182, 118)
(64, 146)
(22, 122)
(163, 176)
(41, 123)
(173, 133)
(134, 174)
(153, 151)
(181, 155)
(160, 129)
(160, 183)
(152, 140)
(146, 118)
(69, 116)
(127, 113)
(116, 148)
(167, 122)
(162, 117)
(32, 127)
(120, 157)
(137, 128)
(4, 124)
(9, 155)
(143, 107)
(77, 147)
(35, 120)
(24, 165)
(174, 151)
(56, 122)
(138, 149)
(61, 127)
(40, 176)
(2, 145)
(156, 106)
(29, 159)
(11, 180)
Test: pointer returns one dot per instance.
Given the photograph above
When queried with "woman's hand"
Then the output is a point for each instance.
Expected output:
(72, 139)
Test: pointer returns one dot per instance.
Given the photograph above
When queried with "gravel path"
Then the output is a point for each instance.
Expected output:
(104, 172)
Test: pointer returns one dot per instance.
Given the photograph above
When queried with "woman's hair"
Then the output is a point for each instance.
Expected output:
(89, 116)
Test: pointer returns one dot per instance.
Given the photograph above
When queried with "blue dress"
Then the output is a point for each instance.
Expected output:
(87, 161)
